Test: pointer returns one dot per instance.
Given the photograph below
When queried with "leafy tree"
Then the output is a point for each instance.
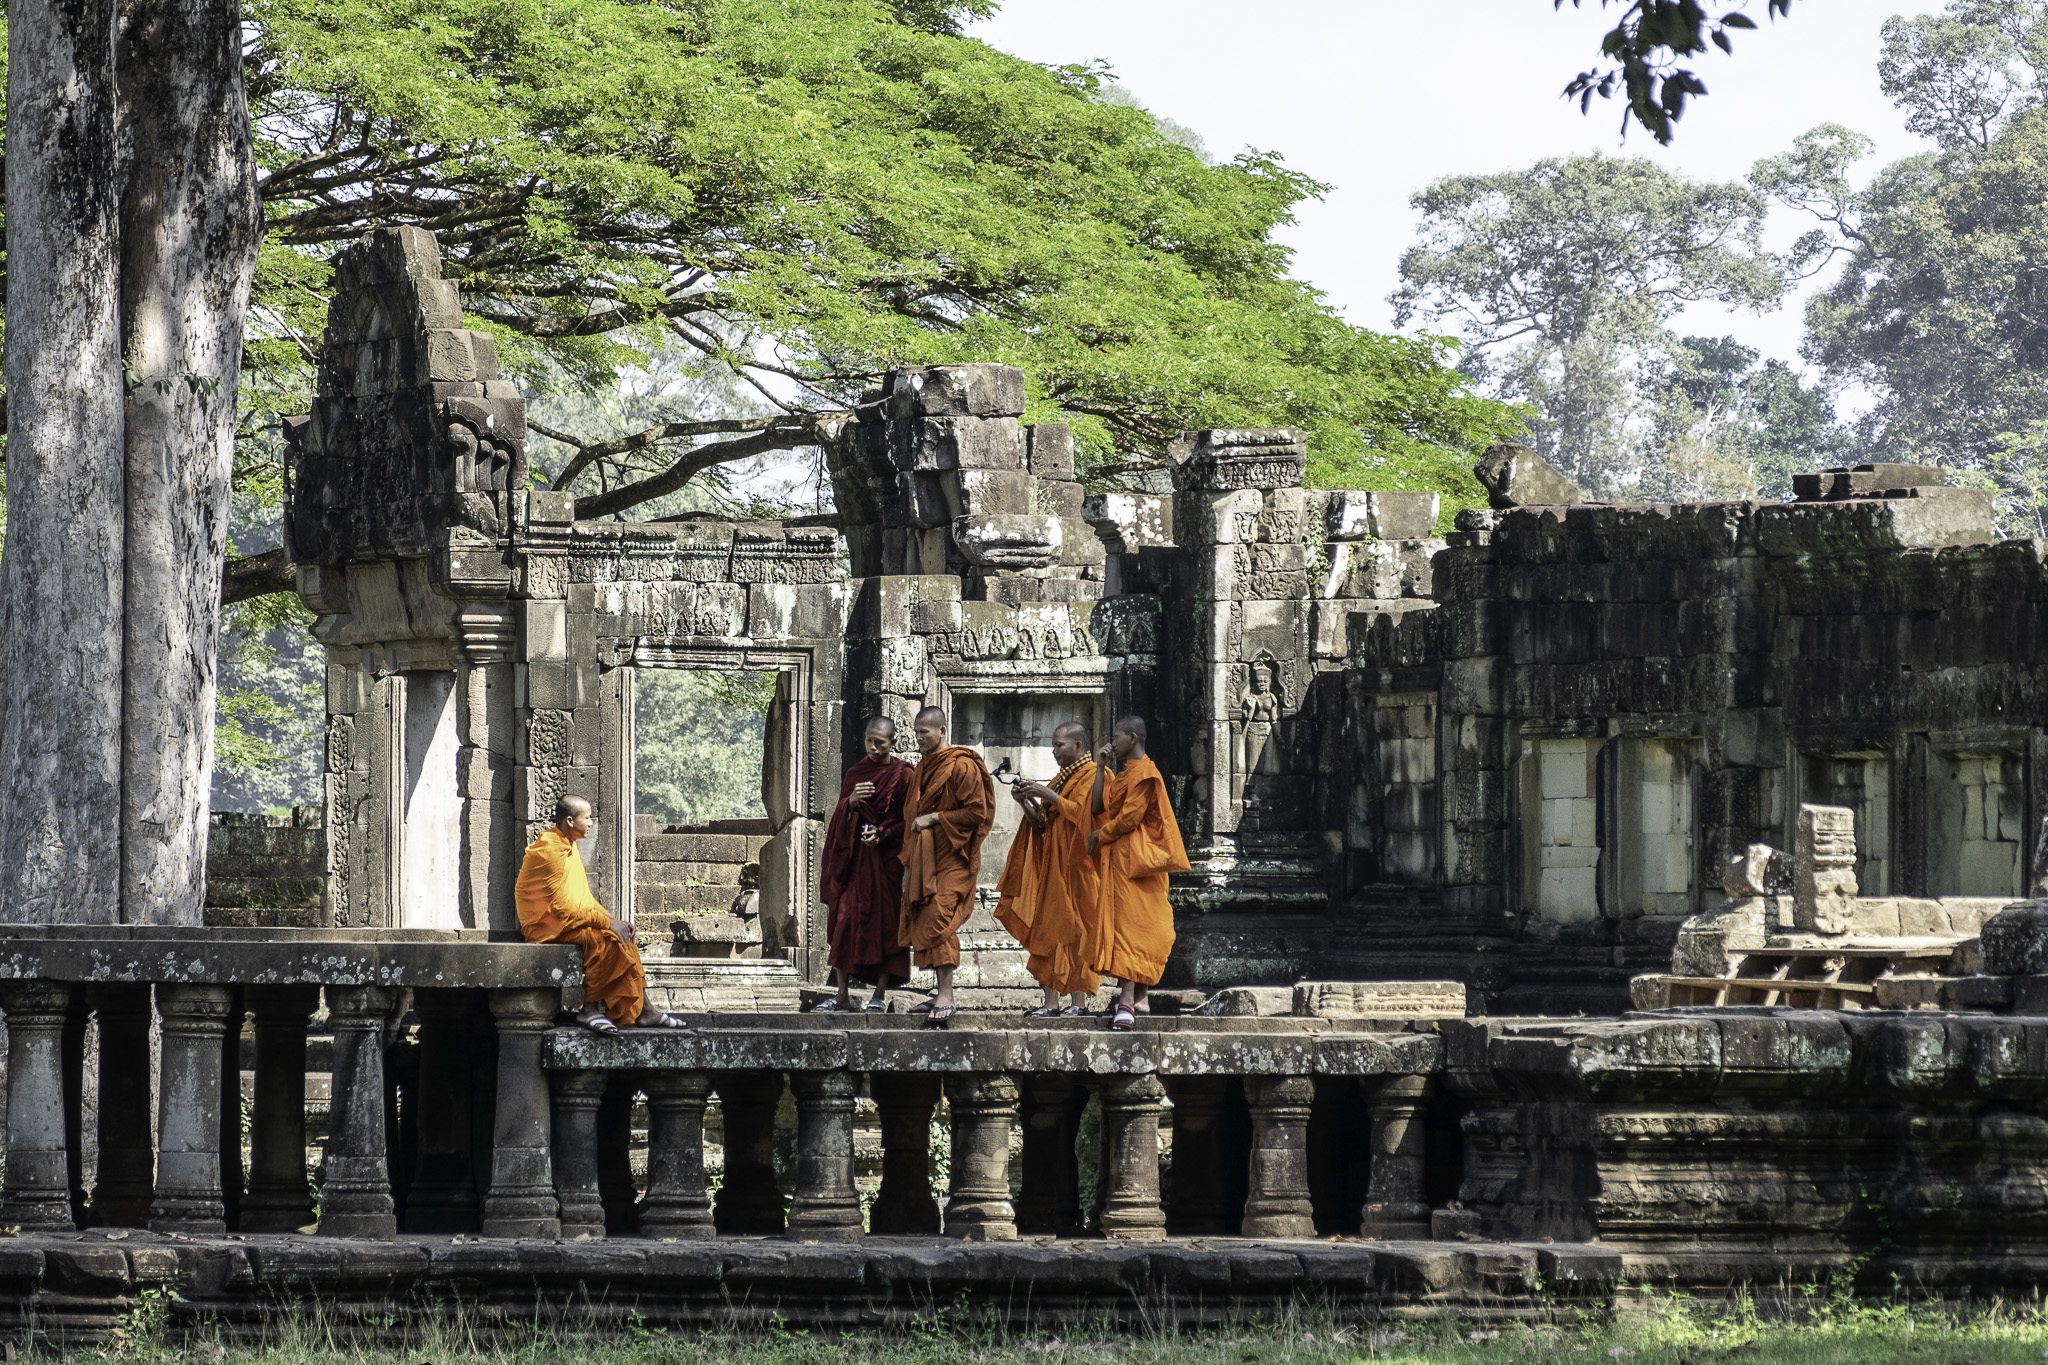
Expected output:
(1937, 309)
(1644, 48)
(699, 740)
(804, 193)
(1563, 279)
(1723, 422)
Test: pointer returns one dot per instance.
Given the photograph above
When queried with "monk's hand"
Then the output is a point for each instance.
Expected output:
(624, 929)
(924, 822)
(862, 791)
(1105, 756)
(1035, 789)
(870, 834)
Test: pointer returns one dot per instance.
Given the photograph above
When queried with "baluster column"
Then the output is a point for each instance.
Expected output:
(521, 1202)
(1277, 1204)
(355, 1186)
(443, 1194)
(749, 1202)
(1130, 1165)
(279, 1199)
(37, 1191)
(577, 1095)
(904, 1207)
(825, 1206)
(188, 1194)
(127, 1167)
(678, 1202)
(984, 1110)
(1394, 1204)
(1049, 1198)
(1207, 1195)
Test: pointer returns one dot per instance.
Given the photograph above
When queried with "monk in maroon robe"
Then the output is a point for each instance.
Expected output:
(861, 881)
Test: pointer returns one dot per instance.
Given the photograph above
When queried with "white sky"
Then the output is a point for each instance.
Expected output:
(1379, 97)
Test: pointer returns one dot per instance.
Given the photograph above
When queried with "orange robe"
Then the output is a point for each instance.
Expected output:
(555, 906)
(1049, 888)
(1132, 932)
(942, 864)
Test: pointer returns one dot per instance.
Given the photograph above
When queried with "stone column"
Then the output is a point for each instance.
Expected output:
(37, 1191)
(443, 1194)
(188, 1196)
(904, 1206)
(576, 1097)
(279, 1200)
(1049, 1198)
(984, 1109)
(1394, 1205)
(1130, 1157)
(825, 1207)
(1277, 1204)
(678, 1202)
(1206, 1199)
(355, 1186)
(127, 1166)
(749, 1202)
(521, 1202)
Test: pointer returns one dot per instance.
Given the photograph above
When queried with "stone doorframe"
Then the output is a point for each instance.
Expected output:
(616, 771)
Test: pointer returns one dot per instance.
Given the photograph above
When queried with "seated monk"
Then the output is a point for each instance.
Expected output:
(861, 875)
(1048, 888)
(555, 906)
(1137, 843)
(946, 814)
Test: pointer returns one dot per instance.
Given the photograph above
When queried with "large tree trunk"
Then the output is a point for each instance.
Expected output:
(61, 582)
(189, 234)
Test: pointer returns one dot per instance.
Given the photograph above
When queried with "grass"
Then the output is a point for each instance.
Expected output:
(1655, 1332)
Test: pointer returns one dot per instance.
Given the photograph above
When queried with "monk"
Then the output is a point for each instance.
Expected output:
(1137, 843)
(555, 906)
(946, 814)
(861, 881)
(1049, 887)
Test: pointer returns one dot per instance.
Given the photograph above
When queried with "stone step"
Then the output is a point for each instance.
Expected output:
(647, 873)
(656, 899)
(703, 848)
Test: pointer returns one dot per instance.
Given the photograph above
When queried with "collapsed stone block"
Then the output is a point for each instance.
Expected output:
(1824, 870)
(1866, 480)
(1758, 870)
(1049, 450)
(980, 390)
(1009, 542)
(1516, 476)
(1393, 514)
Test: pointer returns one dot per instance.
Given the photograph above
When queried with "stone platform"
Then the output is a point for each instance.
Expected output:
(73, 1287)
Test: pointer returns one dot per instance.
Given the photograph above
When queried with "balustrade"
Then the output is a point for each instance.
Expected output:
(540, 1151)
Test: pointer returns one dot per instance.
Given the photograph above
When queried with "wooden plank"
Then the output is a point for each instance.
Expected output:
(1767, 984)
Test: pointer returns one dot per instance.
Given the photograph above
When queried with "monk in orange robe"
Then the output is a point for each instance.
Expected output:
(946, 814)
(1049, 886)
(555, 906)
(1137, 844)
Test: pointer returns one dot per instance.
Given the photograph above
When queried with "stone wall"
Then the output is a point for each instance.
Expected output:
(266, 870)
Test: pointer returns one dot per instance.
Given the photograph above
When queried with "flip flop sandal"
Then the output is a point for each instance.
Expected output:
(1123, 1019)
(1074, 1011)
(601, 1026)
(830, 1005)
(939, 1018)
(668, 1021)
(1043, 1012)
(925, 1008)
(875, 1007)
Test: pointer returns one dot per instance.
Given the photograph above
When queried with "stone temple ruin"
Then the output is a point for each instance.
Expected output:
(1528, 860)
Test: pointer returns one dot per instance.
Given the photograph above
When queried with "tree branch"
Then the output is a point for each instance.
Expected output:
(258, 576)
(789, 436)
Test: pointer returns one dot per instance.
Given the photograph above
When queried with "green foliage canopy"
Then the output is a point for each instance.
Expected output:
(808, 192)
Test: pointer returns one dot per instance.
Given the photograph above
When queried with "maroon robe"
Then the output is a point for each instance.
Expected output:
(862, 884)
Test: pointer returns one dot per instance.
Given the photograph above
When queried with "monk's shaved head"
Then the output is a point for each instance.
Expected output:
(879, 723)
(1133, 725)
(931, 715)
(569, 807)
(1075, 728)
(930, 729)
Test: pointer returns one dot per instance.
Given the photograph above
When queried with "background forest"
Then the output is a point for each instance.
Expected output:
(698, 228)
